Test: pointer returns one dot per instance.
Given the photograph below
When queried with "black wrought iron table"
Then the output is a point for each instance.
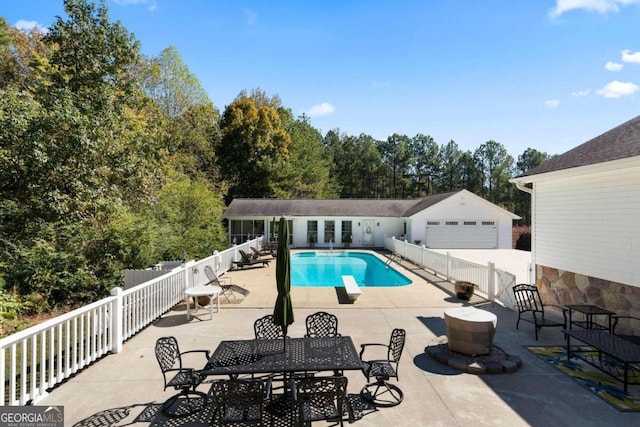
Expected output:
(254, 357)
(269, 356)
(589, 311)
(625, 354)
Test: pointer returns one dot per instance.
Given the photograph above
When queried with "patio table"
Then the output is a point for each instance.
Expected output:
(268, 356)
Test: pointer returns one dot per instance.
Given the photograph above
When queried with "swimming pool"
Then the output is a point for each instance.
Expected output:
(326, 270)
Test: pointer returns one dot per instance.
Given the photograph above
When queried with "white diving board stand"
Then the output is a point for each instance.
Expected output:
(352, 288)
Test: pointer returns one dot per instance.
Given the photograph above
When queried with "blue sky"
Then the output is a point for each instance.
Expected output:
(546, 74)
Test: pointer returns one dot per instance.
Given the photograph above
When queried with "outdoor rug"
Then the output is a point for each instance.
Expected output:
(601, 384)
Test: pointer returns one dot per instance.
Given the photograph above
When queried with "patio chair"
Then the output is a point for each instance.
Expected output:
(322, 324)
(229, 290)
(531, 309)
(265, 328)
(247, 260)
(257, 254)
(630, 324)
(319, 398)
(381, 392)
(180, 378)
(239, 401)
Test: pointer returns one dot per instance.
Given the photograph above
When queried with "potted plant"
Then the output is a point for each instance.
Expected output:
(312, 240)
(346, 239)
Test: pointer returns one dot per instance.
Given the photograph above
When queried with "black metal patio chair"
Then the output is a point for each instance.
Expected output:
(265, 328)
(319, 398)
(321, 324)
(240, 401)
(181, 378)
(381, 392)
(531, 309)
(628, 328)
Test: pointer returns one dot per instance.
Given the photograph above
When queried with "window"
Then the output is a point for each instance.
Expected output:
(347, 230)
(312, 231)
(488, 223)
(469, 223)
(452, 223)
(433, 222)
(329, 231)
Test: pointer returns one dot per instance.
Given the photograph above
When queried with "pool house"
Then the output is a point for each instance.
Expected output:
(457, 220)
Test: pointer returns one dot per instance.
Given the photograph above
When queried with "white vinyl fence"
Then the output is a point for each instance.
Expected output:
(34, 360)
(492, 282)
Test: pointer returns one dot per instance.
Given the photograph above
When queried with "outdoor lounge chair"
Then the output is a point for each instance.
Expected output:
(381, 392)
(257, 254)
(180, 378)
(531, 309)
(229, 290)
(247, 260)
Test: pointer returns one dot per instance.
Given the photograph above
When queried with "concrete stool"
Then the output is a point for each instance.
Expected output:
(470, 330)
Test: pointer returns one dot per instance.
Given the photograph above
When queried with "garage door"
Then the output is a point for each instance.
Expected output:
(457, 234)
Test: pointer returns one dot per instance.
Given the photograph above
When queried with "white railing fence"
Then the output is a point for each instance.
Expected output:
(34, 360)
(491, 282)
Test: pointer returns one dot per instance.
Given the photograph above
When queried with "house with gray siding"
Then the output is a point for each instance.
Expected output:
(458, 219)
(585, 210)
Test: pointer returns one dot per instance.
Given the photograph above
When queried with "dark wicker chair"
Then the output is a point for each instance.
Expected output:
(265, 328)
(381, 392)
(531, 309)
(627, 327)
(179, 377)
(319, 398)
(239, 401)
(322, 324)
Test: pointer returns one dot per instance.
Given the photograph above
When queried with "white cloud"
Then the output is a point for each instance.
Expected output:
(617, 89)
(23, 25)
(552, 103)
(613, 66)
(599, 6)
(628, 56)
(581, 93)
(153, 4)
(321, 110)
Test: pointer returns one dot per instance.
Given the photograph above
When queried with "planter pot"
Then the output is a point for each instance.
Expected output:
(464, 290)
(347, 245)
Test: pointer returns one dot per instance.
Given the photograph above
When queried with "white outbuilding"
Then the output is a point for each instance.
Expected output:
(455, 220)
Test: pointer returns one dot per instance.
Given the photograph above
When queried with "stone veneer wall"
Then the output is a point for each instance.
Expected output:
(564, 287)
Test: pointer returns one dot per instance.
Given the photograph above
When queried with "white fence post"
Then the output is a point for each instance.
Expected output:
(448, 264)
(491, 282)
(116, 320)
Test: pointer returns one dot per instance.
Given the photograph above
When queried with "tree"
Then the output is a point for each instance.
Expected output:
(424, 165)
(396, 157)
(495, 166)
(168, 81)
(521, 200)
(253, 146)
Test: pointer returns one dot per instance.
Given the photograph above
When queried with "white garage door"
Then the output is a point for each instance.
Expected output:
(458, 234)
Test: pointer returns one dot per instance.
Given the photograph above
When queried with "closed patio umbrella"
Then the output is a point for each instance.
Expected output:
(283, 310)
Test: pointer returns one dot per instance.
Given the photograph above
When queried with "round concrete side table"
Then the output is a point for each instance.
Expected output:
(470, 330)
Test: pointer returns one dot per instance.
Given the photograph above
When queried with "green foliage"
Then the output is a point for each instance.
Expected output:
(11, 307)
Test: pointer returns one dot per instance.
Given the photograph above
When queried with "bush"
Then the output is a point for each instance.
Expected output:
(522, 237)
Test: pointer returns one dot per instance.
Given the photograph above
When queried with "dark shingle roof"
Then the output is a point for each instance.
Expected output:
(618, 143)
(331, 207)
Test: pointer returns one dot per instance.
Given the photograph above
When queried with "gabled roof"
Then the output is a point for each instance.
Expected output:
(618, 143)
(396, 208)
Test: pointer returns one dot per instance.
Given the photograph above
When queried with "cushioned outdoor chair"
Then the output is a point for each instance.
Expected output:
(229, 290)
(321, 324)
(319, 398)
(180, 378)
(381, 392)
(265, 328)
(531, 309)
(239, 401)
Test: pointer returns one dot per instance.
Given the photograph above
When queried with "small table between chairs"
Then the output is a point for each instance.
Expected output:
(210, 291)
(589, 311)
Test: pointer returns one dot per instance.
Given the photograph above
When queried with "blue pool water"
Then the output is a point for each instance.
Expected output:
(326, 270)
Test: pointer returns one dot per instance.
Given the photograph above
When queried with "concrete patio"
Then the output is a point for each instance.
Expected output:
(127, 388)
